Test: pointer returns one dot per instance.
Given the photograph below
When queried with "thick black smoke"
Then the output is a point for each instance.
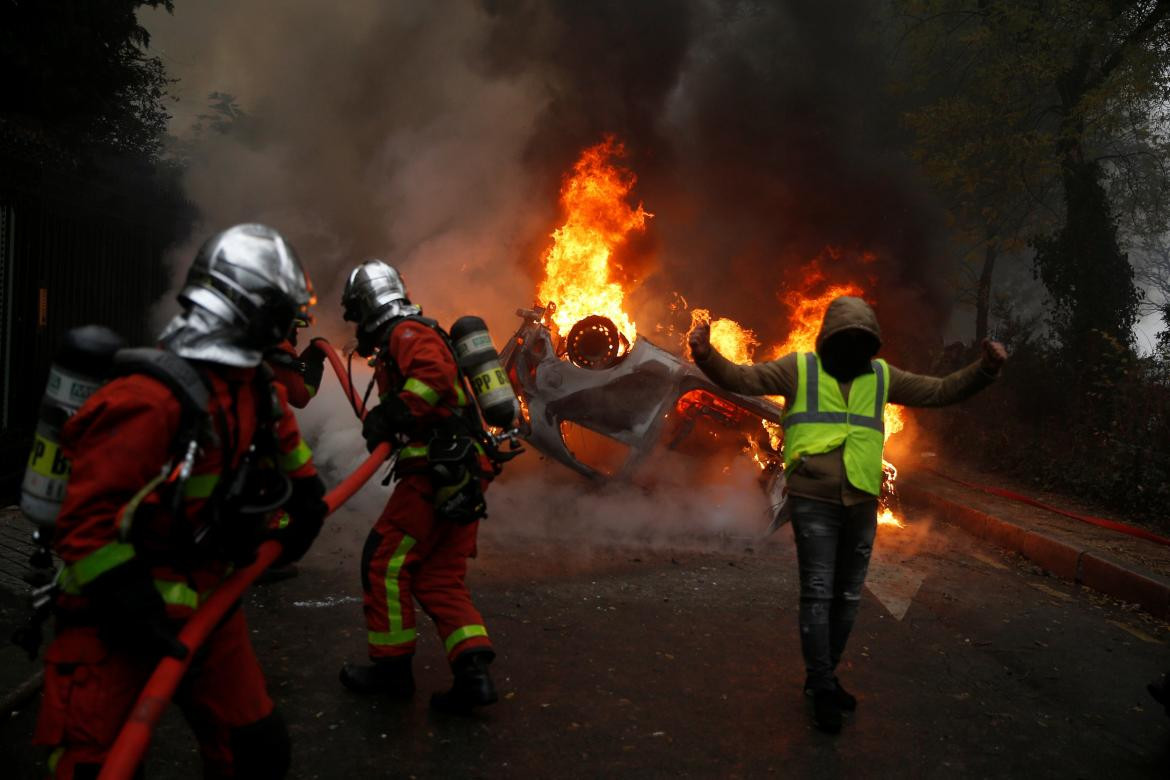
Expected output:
(436, 135)
(761, 132)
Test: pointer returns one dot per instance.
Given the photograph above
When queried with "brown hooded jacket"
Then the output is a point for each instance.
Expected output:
(823, 476)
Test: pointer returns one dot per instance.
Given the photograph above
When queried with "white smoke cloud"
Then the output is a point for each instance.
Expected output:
(368, 131)
(415, 132)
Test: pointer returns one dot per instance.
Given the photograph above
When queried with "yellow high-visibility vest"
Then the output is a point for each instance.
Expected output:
(819, 420)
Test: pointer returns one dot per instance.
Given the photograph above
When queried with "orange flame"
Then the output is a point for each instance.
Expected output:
(808, 305)
(732, 340)
(577, 267)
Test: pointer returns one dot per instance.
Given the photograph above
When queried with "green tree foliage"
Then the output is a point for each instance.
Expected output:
(1047, 118)
(76, 74)
(1042, 125)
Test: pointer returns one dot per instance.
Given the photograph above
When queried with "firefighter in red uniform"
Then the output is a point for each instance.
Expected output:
(413, 551)
(300, 374)
(301, 377)
(164, 500)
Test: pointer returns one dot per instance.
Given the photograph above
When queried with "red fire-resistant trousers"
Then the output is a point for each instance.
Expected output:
(90, 690)
(409, 555)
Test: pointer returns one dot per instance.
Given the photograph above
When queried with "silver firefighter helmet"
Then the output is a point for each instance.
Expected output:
(375, 294)
(242, 296)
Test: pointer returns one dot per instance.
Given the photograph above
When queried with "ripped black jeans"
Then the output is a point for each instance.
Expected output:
(833, 545)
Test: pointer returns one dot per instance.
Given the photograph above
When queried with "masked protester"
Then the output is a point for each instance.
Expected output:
(418, 548)
(166, 495)
(833, 438)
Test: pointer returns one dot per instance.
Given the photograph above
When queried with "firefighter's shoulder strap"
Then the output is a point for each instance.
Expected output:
(469, 415)
(438, 329)
(421, 320)
(179, 376)
(428, 322)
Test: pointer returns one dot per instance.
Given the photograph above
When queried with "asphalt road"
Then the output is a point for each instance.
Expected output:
(680, 658)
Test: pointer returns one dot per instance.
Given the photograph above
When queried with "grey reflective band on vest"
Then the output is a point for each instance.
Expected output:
(812, 401)
(859, 421)
(812, 370)
(879, 394)
(816, 417)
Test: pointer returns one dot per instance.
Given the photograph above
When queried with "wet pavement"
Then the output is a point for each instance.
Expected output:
(681, 658)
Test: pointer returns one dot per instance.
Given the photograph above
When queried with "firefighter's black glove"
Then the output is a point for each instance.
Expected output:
(385, 421)
(313, 360)
(131, 613)
(306, 512)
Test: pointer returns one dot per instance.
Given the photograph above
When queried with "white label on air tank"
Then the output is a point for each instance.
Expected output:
(69, 390)
(473, 342)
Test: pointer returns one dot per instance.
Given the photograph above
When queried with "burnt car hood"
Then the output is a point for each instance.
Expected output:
(629, 402)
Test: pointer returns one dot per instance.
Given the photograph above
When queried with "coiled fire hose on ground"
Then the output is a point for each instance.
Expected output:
(1112, 525)
(132, 742)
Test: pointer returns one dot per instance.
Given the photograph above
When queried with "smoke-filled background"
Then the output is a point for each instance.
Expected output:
(436, 135)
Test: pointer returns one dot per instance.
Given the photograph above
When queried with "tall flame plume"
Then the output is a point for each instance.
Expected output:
(578, 268)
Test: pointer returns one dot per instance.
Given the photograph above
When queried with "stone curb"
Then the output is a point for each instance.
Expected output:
(1080, 564)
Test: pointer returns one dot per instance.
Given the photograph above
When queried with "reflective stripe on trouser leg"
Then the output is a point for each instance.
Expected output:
(461, 635)
(396, 635)
(439, 583)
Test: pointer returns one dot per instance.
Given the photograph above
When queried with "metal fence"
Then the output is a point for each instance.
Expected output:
(66, 262)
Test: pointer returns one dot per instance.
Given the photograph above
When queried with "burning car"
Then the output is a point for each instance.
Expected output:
(598, 396)
(600, 406)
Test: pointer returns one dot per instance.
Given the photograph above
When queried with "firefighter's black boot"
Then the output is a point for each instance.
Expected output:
(473, 686)
(392, 677)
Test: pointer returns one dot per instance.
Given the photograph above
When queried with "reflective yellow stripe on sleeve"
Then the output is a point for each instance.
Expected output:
(422, 390)
(301, 454)
(98, 562)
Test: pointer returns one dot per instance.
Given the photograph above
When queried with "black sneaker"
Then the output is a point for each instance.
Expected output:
(391, 677)
(845, 700)
(1160, 690)
(826, 712)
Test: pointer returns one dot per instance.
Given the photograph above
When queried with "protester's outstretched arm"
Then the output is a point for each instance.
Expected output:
(908, 389)
(776, 377)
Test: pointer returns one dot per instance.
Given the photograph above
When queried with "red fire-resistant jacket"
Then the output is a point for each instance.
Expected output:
(418, 365)
(119, 443)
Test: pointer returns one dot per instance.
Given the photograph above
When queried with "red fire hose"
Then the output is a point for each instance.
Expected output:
(342, 375)
(134, 738)
(1101, 522)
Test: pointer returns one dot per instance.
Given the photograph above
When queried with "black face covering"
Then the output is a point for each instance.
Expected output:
(847, 355)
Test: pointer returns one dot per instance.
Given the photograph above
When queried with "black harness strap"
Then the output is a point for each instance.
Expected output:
(180, 377)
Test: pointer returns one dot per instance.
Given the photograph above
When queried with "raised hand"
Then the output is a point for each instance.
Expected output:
(700, 341)
(994, 356)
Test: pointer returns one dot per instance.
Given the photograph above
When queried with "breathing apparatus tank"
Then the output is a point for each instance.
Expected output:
(480, 362)
(80, 367)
